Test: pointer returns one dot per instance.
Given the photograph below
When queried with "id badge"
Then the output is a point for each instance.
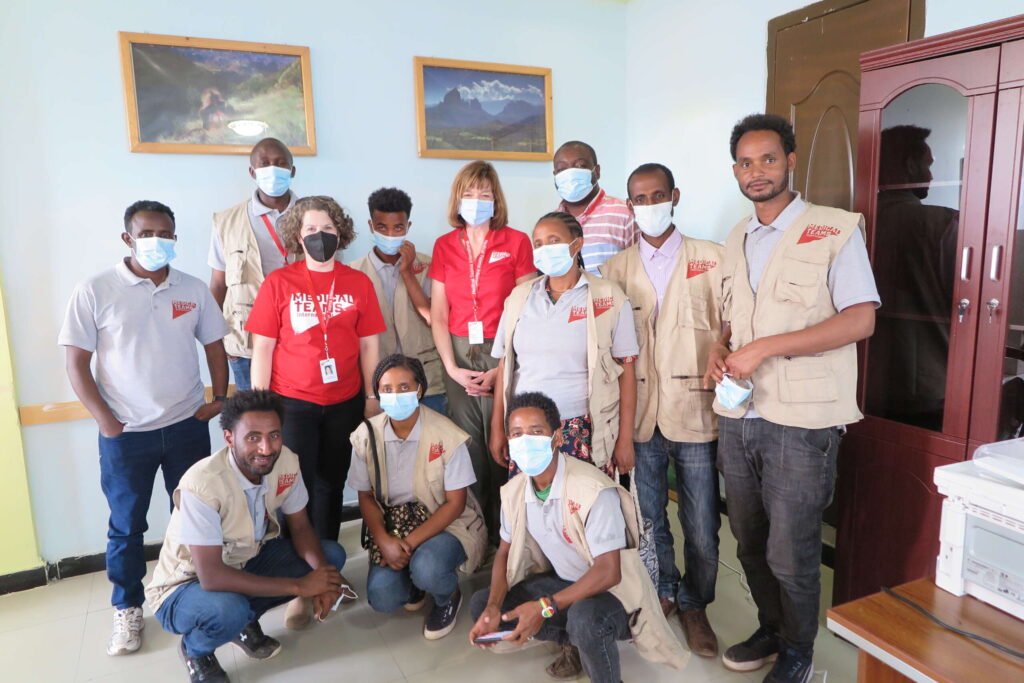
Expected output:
(329, 371)
(476, 332)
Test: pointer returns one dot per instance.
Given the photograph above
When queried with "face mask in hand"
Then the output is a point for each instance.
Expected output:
(153, 253)
(476, 211)
(553, 259)
(273, 180)
(387, 245)
(573, 184)
(321, 245)
(653, 219)
(400, 406)
(532, 453)
(732, 393)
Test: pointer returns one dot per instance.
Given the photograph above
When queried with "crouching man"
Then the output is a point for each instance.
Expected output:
(568, 569)
(224, 562)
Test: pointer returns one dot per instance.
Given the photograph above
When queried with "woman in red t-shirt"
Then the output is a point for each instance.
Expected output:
(314, 326)
(474, 267)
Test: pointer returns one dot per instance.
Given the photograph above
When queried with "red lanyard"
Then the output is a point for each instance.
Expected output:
(475, 268)
(273, 235)
(316, 304)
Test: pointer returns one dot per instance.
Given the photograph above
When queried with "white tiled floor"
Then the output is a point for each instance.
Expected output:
(59, 633)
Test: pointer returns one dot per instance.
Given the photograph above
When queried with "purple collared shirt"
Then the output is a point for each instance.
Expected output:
(659, 263)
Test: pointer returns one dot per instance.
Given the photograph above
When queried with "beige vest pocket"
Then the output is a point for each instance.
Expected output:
(807, 379)
(693, 312)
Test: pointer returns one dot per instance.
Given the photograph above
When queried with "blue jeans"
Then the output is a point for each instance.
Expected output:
(240, 371)
(778, 481)
(438, 403)
(433, 568)
(209, 619)
(128, 465)
(697, 489)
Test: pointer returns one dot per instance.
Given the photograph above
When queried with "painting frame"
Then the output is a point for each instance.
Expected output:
(424, 150)
(135, 142)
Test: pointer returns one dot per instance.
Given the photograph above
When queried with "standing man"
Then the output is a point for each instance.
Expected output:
(608, 225)
(399, 276)
(142, 319)
(675, 285)
(796, 343)
(245, 247)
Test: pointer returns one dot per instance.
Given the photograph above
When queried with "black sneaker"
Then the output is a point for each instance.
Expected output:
(792, 666)
(752, 653)
(441, 619)
(255, 644)
(205, 669)
(416, 600)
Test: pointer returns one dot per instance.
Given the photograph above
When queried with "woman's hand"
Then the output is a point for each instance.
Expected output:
(483, 385)
(464, 377)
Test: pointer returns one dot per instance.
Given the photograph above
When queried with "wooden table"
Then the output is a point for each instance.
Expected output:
(898, 643)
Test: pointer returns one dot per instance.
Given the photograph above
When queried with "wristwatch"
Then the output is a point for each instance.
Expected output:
(219, 398)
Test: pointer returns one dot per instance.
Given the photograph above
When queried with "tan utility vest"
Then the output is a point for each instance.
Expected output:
(675, 341)
(797, 391)
(652, 635)
(213, 481)
(439, 437)
(405, 323)
(604, 301)
(243, 274)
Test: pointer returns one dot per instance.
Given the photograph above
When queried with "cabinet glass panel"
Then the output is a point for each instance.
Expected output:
(921, 161)
(1011, 404)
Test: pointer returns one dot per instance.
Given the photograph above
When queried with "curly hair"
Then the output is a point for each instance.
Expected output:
(770, 122)
(145, 205)
(651, 167)
(535, 399)
(397, 360)
(571, 224)
(253, 400)
(390, 200)
(290, 225)
(471, 175)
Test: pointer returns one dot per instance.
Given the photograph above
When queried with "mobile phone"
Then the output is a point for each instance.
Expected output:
(492, 637)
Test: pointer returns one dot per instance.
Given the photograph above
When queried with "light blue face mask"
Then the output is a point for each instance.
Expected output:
(553, 259)
(573, 184)
(400, 406)
(731, 393)
(531, 453)
(387, 245)
(153, 253)
(476, 211)
(273, 180)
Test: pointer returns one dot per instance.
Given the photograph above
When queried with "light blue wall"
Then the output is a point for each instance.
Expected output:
(67, 175)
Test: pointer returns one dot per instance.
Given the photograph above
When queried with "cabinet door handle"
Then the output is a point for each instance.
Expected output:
(965, 263)
(961, 309)
(997, 263)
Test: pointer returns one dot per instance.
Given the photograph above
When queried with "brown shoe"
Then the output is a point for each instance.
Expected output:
(567, 666)
(699, 636)
(668, 607)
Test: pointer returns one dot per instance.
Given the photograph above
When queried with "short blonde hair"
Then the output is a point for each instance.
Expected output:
(290, 225)
(474, 174)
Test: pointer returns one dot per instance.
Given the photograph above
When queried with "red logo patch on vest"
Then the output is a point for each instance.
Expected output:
(283, 482)
(603, 304)
(436, 451)
(565, 535)
(574, 507)
(418, 267)
(180, 308)
(699, 266)
(577, 313)
(815, 232)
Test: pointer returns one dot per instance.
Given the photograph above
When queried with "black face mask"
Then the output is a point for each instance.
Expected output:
(321, 246)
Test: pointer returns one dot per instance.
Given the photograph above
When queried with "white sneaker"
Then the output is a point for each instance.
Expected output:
(126, 635)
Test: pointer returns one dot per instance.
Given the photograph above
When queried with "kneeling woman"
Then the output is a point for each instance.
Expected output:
(422, 522)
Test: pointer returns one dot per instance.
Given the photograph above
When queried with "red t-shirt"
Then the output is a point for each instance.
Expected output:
(284, 310)
(508, 256)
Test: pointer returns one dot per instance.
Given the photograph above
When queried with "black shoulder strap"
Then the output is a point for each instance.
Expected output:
(376, 461)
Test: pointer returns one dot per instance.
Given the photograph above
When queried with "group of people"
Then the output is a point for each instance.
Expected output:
(485, 403)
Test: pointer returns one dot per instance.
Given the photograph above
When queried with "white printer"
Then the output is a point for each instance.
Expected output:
(981, 539)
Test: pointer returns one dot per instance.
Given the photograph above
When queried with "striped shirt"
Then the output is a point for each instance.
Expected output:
(608, 228)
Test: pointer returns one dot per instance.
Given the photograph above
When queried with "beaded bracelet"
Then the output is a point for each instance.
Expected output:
(548, 608)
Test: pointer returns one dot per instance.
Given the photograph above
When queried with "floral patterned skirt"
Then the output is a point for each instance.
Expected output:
(576, 436)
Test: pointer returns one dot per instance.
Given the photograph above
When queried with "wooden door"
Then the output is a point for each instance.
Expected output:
(814, 81)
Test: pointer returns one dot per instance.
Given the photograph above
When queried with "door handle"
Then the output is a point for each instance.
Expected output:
(965, 263)
(961, 309)
(993, 306)
(996, 263)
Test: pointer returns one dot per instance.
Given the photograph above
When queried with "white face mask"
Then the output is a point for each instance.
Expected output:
(653, 219)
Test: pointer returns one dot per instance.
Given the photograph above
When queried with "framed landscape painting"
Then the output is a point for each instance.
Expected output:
(476, 110)
(202, 96)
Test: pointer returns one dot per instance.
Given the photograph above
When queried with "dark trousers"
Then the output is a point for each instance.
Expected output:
(128, 465)
(592, 625)
(778, 481)
(319, 435)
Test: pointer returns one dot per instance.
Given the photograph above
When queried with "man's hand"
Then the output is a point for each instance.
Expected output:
(530, 621)
(408, 254)
(716, 365)
(208, 411)
(498, 446)
(323, 603)
(371, 408)
(323, 579)
(624, 456)
(488, 622)
(112, 429)
(395, 552)
(743, 362)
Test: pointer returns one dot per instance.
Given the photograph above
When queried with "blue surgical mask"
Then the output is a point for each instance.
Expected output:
(731, 393)
(153, 253)
(273, 180)
(387, 245)
(573, 184)
(553, 259)
(531, 453)
(400, 406)
(476, 211)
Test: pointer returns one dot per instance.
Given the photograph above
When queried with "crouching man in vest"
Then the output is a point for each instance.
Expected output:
(568, 568)
(797, 294)
(224, 562)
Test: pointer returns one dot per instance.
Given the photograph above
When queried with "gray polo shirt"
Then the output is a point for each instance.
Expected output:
(144, 339)
(400, 463)
(560, 369)
(270, 255)
(605, 528)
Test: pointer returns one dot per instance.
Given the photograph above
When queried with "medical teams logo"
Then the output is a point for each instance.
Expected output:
(699, 266)
(436, 451)
(498, 256)
(283, 482)
(814, 232)
(303, 315)
(180, 308)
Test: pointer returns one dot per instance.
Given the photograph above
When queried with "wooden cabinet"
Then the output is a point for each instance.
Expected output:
(940, 149)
